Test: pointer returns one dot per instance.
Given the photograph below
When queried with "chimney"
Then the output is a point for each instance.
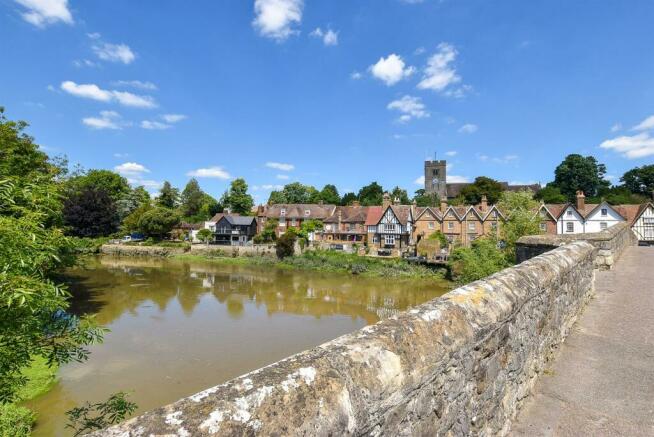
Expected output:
(227, 211)
(356, 204)
(387, 200)
(443, 205)
(396, 201)
(321, 202)
(581, 201)
(340, 217)
(483, 206)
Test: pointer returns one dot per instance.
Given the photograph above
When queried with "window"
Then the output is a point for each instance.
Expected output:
(450, 225)
(307, 212)
(543, 227)
(389, 240)
(282, 223)
(389, 227)
(605, 212)
(293, 222)
(569, 227)
(603, 225)
(494, 226)
(282, 212)
(569, 213)
(430, 225)
(471, 226)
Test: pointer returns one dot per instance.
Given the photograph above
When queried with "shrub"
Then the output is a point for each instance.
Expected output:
(16, 421)
(285, 246)
(483, 258)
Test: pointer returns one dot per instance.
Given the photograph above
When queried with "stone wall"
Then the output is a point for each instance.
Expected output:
(457, 365)
(252, 250)
(610, 242)
(128, 250)
(196, 249)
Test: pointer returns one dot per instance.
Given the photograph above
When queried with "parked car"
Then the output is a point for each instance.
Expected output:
(133, 238)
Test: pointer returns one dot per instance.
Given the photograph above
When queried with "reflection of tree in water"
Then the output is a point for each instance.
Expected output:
(116, 285)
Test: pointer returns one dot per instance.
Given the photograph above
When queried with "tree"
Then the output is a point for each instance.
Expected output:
(481, 259)
(306, 229)
(158, 222)
(168, 196)
(621, 196)
(285, 245)
(349, 199)
(276, 197)
(520, 210)
(131, 222)
(329, 195)
(209, 208)
(640, 180)
(238, 200)
(130, 202)
(372, 194)
(205, 235)
(91, 417)
(482, 185)
(295, 192)
(191, 199)
(111, 183)
(267, 234)
(550, 194)
(577, 172)
(423, 199)
(91, 212)
(401, 195)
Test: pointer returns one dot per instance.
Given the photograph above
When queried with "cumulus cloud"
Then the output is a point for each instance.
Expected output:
(646, 124)
(131, 169)
(173, 118)
(391, 69)
(43, 12)
(632, 147)
(420, 180)
(439, 74)
(280, 166)
(106, 120)
(267, 187)
(154, 125)
(135, 84)
(329, 37)
(468, 128)
(275, 18)
(283, 177)
(410, 107)
(616, 127)
(114, 52)
(215, 172)
(451, 153)
(94, 92)
(355, 75)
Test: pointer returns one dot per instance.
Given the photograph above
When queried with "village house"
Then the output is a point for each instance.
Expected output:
(345, 225)
(234, 230)
(292, 215)
(427, 221)
(389, 227)
(643, 224)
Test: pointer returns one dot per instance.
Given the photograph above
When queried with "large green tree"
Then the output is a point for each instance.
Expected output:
(158, 222)
(168, 196)
(329, 195)
(400, 194)
(371, 194)
(276, 197)
(423, 199)
(519, 209)
(551, 194)
(90, 212)
(482, 185)
(130, 202)
(349, 199)
(238, 200)
(640, 180)
(191, 198)
(111, 183)
(578, 172)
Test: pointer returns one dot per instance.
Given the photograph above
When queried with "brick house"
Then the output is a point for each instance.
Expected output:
(292, 215)
(389, 227)
(346, 224)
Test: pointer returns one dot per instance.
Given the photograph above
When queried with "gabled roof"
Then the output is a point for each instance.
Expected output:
(298, 210)
(633, 212)
(402, 212)
(554, 209)
(374, 215)
(420, 211)
(240, 220)
(491, 209)
(216, 218)
(455, 210)
(472, 209)
(349, 214)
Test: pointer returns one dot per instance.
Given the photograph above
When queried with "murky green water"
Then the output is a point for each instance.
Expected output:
(178, 327)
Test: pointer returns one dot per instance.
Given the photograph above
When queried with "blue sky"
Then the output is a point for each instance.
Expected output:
(341, 92)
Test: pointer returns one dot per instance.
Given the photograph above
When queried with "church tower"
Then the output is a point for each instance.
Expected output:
(436, 178)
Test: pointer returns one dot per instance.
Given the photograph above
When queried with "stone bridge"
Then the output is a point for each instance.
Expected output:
(463, 364)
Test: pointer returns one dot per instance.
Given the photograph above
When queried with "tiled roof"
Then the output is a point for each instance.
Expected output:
(402, 212)
(420, 211)
(298, 211)
(349, 214)
(631, 212)
(374, 215)
(240, 220)
(217, 217)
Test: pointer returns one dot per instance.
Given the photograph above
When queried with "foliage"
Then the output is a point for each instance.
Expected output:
(168, 196)
(238, 200)
(640, 180)
(372, 194)
(307, 227)
(267, 234)
(401, 195)
(276, 197)
(550, 194)
(440, 237)
(482, 186)
(349, 199)
(90, 212)
(483, 258)
(329, 195)
(295, 192)
(158, 222)
(204, 235)
(285, 245)
(191, 199)
(208, 208)
(111, 183)
(131, 222)
(519, 208)
(577, 172)
(423, 199)
(618, 196)
(16, 421)
(131, 201)
(90, 417)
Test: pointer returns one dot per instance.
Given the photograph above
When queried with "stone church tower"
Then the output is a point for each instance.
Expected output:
(436, 178)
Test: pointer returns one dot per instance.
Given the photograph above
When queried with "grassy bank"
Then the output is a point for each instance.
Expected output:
(330, 261)
(16, 420)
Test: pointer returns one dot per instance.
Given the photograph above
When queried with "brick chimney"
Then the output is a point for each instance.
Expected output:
(443, 205)
(483, 206)
(396, 201)
(340, 218)
(386, 200)
(356, 204)
(581, 201)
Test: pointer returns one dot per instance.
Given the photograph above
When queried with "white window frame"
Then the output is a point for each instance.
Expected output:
(569, 227)
(471, 226)
(450, 225)
(603, 226)
(431, 225)
(293, 222)
(282, 212)
(543, 227)
(604, 212)
(568, 213)
(307, 212)
(390, 227)
(389, 239)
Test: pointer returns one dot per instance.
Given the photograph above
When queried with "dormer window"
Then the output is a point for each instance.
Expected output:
(569, 213)
(605, 212)
(307, 212)
(282, 212)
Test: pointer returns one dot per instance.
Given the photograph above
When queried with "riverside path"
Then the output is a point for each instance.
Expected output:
(602, 381)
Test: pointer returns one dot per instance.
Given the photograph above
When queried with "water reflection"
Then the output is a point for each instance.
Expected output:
(179, 327)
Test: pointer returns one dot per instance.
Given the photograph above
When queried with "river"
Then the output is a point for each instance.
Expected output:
(178, 327)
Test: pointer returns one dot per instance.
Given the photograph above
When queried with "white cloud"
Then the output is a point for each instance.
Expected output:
(106, 120)
(283, 176)
(173, 118)
(114, 52)
(439, 73)
(646, 124)
(135, 84)
(79, 63)
(391, 69)
(149, 184)
(267, 187)
(280, 166)
(121, 155)
(419, 51)
(94, 92)
(468, 128)
(43, 12)
(93, 35)
(457, 179)
(420, 180)
(616, 127)
(522, 182)
(210, 172)
(132, 169)
(632, 147)
(329, 38)
(451, 153)
(410, 107)
(506, 159)
(356, 75)
(154, 125)
(275, 18)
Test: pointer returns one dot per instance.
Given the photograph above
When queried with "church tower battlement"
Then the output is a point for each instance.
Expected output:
(436, 177)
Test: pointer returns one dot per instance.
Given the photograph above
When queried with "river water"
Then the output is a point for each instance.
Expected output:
(178, 327)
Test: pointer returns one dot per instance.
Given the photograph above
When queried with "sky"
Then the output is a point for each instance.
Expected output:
(343, 92)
